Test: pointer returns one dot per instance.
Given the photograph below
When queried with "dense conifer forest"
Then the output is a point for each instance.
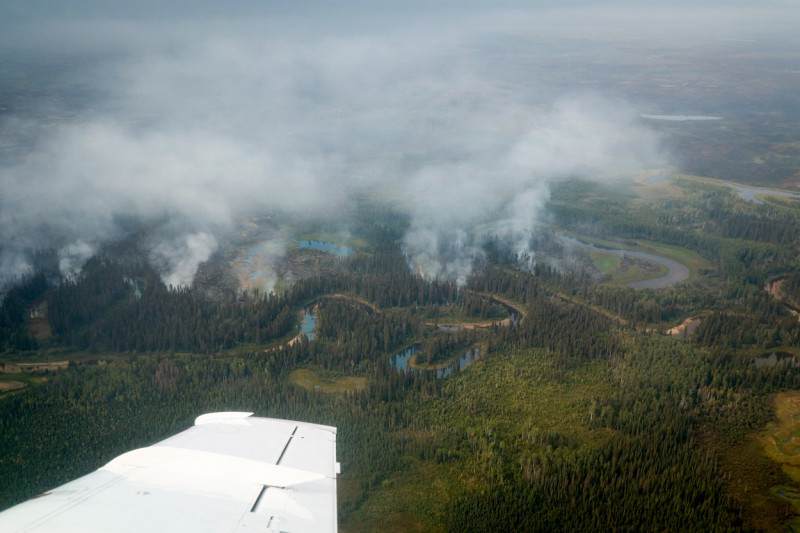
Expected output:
(579, 413)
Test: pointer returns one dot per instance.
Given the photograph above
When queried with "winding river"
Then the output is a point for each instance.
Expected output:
(751, 194)
(676, 271)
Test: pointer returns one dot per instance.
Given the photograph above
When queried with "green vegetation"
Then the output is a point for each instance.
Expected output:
(579, 415)
(310, 380)
(623, 271)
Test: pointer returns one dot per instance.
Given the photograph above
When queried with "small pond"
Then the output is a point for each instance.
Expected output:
(323, 246)
(401, 361)
(782, 359)
(308, 324)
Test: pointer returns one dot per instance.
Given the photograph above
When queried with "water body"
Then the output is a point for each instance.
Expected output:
(676, 271)
(460, 364)
(400, 361)
(323, 246)
(309, 325)
(749, 193)
(782, 359)
(788, 494)
(248, 266)
(680, 118)
(251, 253)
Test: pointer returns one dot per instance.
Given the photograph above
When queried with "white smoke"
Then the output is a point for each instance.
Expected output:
(589, 136)
(179, 258)
(191, 127)
(72, 257)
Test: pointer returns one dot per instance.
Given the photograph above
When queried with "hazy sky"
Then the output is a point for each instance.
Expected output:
(192, 116)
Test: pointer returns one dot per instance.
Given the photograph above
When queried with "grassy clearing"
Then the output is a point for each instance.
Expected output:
(17, 382)
(7, 386)
(606, 262)
(624, 271)
(656, 185)
(310, 380)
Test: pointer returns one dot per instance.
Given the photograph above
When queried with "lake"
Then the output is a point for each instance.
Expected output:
(680, 118)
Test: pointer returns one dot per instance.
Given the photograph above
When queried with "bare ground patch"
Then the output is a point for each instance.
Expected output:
(774, 289)
(7, 386)
(13, 368)
(685, 329)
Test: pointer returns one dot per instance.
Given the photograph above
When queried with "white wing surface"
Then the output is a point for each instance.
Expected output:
(230, 472)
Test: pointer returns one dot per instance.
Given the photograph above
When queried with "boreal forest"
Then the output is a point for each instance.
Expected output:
(544, 394)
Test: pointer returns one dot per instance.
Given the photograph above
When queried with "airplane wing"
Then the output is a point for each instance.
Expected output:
(230, 472)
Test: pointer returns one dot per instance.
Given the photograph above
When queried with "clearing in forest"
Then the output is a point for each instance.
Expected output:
(8, 386)
(310, 380)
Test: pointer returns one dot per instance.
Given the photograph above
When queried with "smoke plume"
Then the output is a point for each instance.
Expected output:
(192, 125)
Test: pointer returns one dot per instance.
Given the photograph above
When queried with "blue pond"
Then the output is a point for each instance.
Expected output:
(400, 361)
(308, 325)
(329, 247)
